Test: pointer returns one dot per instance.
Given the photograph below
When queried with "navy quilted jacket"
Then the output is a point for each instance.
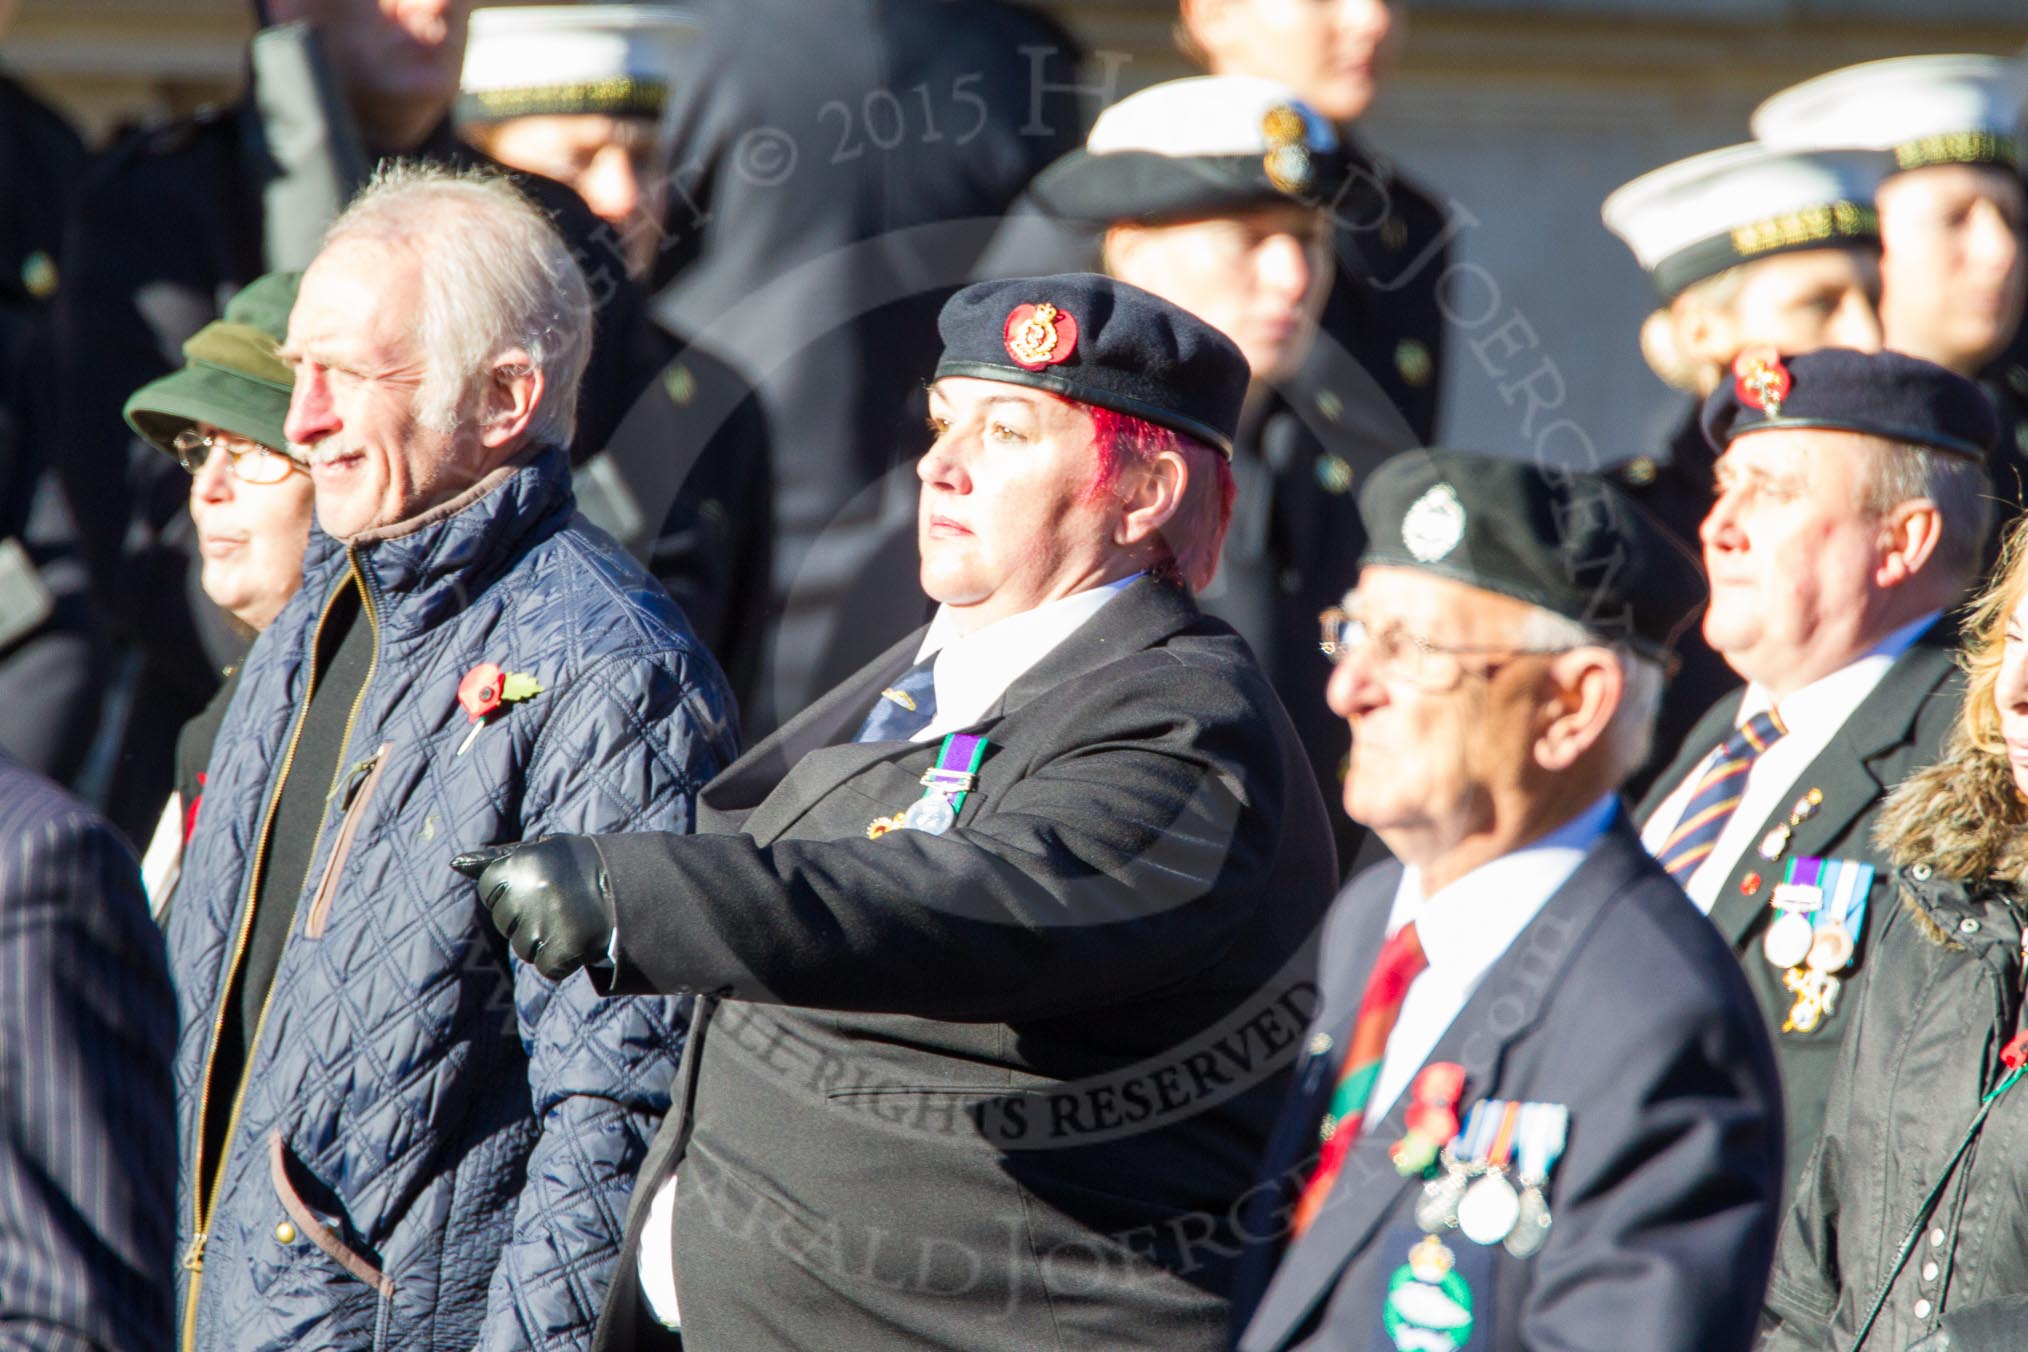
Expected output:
(434, 1146)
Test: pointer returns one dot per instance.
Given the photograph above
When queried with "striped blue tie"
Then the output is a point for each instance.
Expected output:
(904, 708)
(1717, 795)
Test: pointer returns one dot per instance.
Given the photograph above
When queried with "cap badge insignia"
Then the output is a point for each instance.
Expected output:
(1761, 381)
(1040, 335)
(1288, 151)
(1434, 525)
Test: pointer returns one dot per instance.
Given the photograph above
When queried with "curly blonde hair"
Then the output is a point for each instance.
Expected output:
(1963, 815)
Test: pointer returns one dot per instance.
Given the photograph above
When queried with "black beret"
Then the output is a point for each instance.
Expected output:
(1882, 394)
(1099, 341)
(1569, 542)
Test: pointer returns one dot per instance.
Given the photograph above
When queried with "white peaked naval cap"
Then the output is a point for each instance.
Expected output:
(1697, 217)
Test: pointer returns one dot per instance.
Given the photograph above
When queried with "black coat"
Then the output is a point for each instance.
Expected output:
(839, 170)
(1944, 997)
(1292, 550)
(1677, 490)
(1391, 248)
(1618, 1002)
(87, 1123)
(1001, 1088)
(166, 229)
(1897, 729)
(52, 660)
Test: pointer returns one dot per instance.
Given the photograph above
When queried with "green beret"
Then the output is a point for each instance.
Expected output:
(1569, 542)
(232, 376)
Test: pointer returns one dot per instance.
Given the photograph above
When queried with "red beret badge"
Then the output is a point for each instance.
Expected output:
(1761, 380)
(1040, 335)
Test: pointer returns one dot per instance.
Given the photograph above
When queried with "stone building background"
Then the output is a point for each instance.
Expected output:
(1519, 114)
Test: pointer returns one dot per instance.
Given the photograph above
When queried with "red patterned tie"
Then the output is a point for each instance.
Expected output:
(1401, 961)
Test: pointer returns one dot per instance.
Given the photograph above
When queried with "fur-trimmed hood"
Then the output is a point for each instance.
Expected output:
(1964, 820)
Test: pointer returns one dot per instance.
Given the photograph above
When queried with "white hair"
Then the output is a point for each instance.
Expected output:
(496, 276)
(1899, 471)
(1630, 735)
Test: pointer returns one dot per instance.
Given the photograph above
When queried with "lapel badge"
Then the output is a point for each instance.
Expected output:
(1040, 335)
(1750, 884)
(1761, 380)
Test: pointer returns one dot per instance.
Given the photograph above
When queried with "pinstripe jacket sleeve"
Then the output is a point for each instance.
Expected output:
(87, 1135)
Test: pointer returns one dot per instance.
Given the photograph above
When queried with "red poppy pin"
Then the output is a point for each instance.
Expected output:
(1432, 1117)
(485, 688)
(1040, 335)
(1761, 381)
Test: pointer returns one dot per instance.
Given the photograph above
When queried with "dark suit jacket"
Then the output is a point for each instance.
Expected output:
(1000, 1088)
(87, 1132)
(1618, 1002)
(1897, 729)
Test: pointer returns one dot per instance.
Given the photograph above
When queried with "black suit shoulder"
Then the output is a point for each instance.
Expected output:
(87, 1132)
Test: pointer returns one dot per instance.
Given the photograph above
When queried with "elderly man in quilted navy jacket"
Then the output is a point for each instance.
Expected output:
(394, 1133)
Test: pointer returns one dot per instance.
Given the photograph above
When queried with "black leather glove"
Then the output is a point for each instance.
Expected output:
(549, 897)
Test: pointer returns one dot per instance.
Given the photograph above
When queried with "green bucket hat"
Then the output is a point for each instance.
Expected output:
(231, 376)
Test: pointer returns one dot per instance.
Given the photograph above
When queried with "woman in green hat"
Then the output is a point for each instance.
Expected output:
(221, 417)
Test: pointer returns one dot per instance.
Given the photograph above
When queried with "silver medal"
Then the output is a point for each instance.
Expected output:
(1437, 1209)
(1489, 1209)
(931, 813)
(1788, 939)
(1531, 1227)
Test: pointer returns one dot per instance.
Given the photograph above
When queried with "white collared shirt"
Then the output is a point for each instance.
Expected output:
(974, 670)
(1811, 717)
(1465, 928)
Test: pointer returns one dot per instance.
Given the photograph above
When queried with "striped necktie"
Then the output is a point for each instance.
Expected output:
(1716, 796)
(1401, 961)
(904, 708)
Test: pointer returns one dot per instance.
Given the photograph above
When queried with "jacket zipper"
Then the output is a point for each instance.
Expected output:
(204, 1201)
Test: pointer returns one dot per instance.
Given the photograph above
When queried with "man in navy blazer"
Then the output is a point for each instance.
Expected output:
(1537, 1108)
(87, 1133)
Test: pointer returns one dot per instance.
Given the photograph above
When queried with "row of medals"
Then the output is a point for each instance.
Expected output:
(1807, 954)
(1480, 1201)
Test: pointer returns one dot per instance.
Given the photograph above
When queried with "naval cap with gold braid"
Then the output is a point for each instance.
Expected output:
(1958, 108)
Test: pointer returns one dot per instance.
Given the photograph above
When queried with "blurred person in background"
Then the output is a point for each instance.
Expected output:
(53, 658)
(87, 1116)
(1919, 1140)
(1744, 246)
(1953, 215)
(838, 170)
(174, 220)
(580, 93)
(1383, 330)
(1214, 193)
(221, 417)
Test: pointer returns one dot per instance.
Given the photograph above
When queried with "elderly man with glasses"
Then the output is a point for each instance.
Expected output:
(1536, 1107)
